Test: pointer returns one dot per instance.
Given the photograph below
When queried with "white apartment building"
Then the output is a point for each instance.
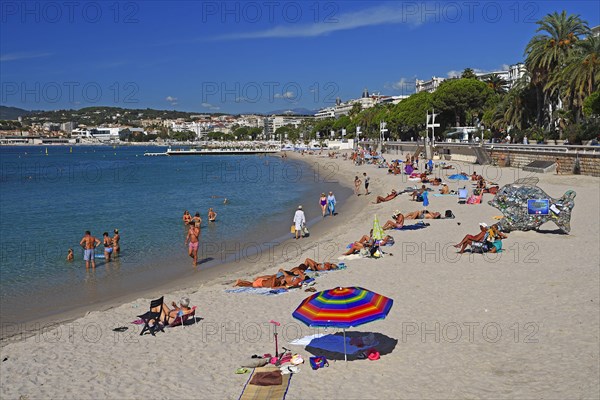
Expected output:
(275, 122)
(511, 75)
(327, 112)
(430, 85)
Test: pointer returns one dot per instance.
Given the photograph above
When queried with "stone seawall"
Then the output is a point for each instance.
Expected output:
(589, 164)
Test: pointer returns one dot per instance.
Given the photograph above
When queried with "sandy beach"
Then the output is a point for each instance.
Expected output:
(523, 323)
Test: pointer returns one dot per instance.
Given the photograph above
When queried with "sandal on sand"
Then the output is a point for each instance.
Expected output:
(310, 289)
(242, 371)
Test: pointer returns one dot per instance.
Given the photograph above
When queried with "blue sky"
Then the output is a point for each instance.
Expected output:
(251, 56)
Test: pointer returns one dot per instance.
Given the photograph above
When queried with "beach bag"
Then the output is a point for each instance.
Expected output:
(449, 214)
(293, 229)
(419, 198)
(304, 230)
(318, 362)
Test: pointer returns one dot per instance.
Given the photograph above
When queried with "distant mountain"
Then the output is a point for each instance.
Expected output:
(292, 111)
(12, 113)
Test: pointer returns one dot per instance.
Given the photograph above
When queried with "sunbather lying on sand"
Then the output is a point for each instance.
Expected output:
(424, 214)
(282, 279)
(315, 266)
(381, 199)
(397, 223)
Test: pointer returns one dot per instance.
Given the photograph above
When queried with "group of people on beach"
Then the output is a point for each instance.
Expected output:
(89, 244)
(327, 204)
(487, 240)
(358, 182)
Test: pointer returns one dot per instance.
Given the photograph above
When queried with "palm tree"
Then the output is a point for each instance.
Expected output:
(468, 73)
(545, 53)
(497, 83)
(582, 73)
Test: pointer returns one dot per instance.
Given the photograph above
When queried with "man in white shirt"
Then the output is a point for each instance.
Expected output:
(299, 221)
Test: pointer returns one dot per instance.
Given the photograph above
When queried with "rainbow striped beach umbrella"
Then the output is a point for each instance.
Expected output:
(343, 308)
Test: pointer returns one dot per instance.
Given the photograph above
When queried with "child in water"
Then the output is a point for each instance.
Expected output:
(70, 255)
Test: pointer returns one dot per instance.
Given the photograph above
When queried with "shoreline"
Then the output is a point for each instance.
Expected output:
(524, 323)
(199, 276)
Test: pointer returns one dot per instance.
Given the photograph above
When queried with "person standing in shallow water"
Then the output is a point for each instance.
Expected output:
(212, 216)
(108, 249)
(89, 243)
(116, 239)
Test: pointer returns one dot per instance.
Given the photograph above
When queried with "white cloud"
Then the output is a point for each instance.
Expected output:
(211, 106)
(404, 84)
(22, 56)
(396, 13)
(454, 74)
(171, 99)
(286, 95)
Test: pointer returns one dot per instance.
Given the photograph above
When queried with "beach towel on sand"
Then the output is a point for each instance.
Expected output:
(262, 291)
(271, 392)
(411, 227)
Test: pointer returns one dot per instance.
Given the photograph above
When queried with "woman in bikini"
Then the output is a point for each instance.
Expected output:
(315, 266)
(108, 249)
(357, 183)
(187, 217)
(323, 203)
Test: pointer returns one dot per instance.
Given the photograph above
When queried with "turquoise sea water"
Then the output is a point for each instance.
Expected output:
(47, 201)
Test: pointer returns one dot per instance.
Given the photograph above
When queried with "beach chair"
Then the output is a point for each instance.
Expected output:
(463, 194)
(153, 314)
(182, 319)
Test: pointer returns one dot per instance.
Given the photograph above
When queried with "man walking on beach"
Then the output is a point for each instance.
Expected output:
(192, 241)
(89, 243)
(366, 183)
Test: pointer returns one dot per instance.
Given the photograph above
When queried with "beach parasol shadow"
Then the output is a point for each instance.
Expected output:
(332, 347)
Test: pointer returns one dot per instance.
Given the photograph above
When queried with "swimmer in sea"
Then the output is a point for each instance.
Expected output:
(197, 220)
(212, 216)
(226, 201)
(187, 217)
(70, 255)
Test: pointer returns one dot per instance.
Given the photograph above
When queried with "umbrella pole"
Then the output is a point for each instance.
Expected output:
(345, 356)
